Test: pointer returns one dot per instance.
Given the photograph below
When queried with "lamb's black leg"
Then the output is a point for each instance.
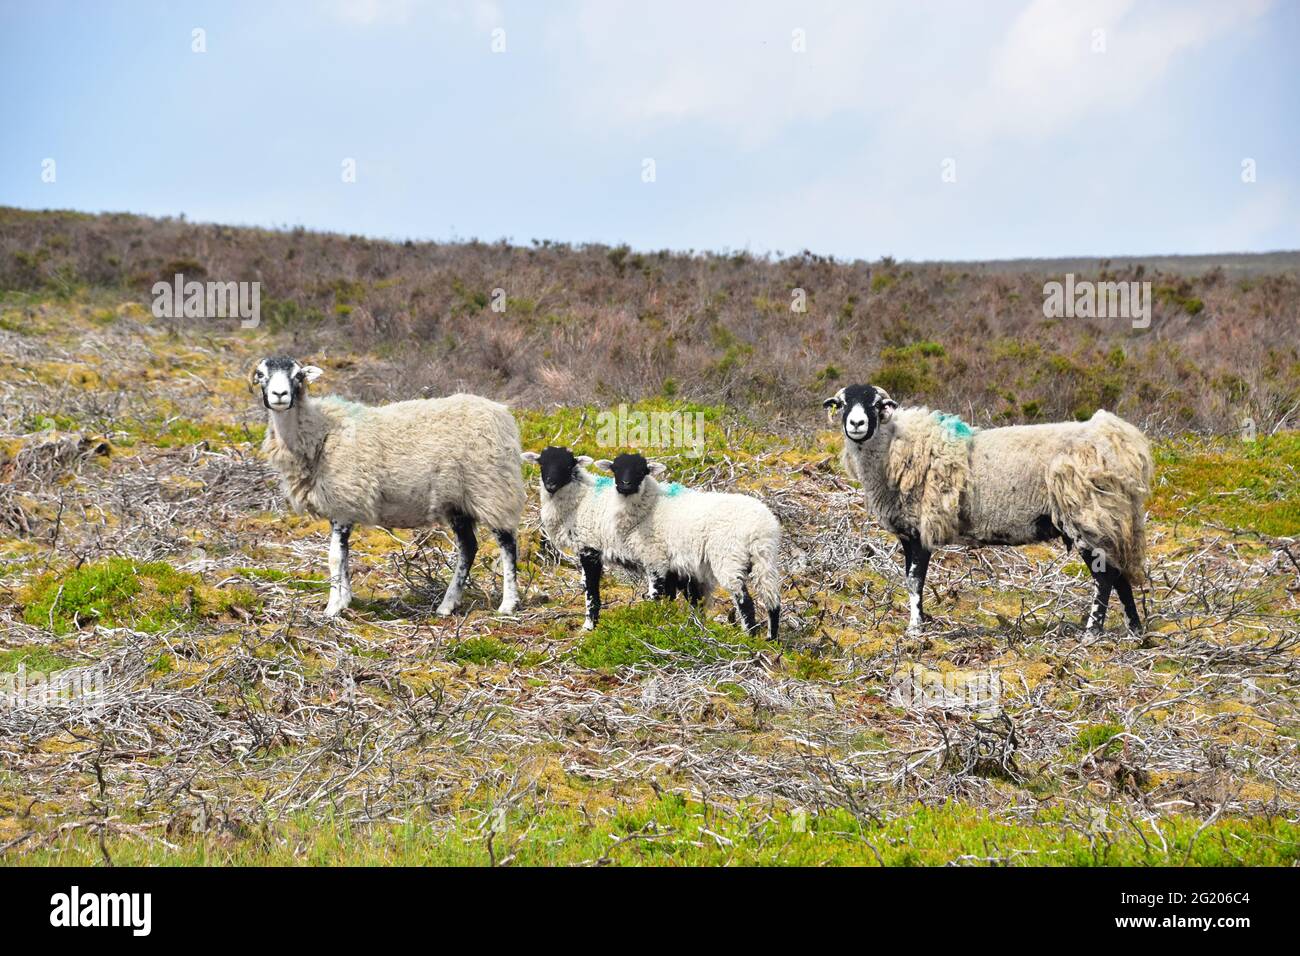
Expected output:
(694, 591)
(773, 622)
(916, 562)
(592, 567)
(466, 550)
(1125, 591)
(745, 606)
(1104, 580)
(509, 571)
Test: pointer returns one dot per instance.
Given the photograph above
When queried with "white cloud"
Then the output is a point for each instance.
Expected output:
(367, 13)
(983, 71)
(484, 14)
(730, 64)
(1045, 74)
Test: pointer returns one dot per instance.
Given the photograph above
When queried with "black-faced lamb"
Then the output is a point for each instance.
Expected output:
(453, 461)
(699, 539)
(933, 480)
(578, 518)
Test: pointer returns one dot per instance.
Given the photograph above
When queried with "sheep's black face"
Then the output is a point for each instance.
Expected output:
(629, 472)
(282, 381)
(557, 465)
(862, 409)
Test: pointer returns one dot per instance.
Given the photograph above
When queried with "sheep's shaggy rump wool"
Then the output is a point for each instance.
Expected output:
(931, 476)
(404, 465)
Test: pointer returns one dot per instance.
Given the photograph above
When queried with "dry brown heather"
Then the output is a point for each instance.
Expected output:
(141, 533)
(604, 325)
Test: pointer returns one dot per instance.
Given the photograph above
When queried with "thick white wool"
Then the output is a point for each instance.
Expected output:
(924, 478)
(581, 515)
(716, 538)
(404, 465)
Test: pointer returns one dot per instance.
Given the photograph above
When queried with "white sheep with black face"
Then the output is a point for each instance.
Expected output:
(453, 461)
(702, 539)
(577, 517)
(933, 480)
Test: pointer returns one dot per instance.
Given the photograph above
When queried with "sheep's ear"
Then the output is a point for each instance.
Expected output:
(604, 464)
(833, 405)
(886, 409)
(257, 377)
(531, 457)
(583, 460)
(309, 373)
(657, 468)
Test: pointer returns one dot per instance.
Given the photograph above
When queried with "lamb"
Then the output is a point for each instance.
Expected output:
(577, 516)
(409, 464)
(699, 539)
(933, 480)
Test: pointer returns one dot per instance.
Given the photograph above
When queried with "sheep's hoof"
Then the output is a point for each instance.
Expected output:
(335, 608)
(588, 625)
(508, 608)
(445, 611)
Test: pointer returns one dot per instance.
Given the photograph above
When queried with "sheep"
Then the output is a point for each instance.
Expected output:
(577, 517)
(933, 480)
(409, 464)
(699, 539)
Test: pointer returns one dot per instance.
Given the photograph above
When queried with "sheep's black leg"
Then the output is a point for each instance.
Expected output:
(745, 606)
(1125, 591)
(340, 578)
(591, 571)
(1096, 622)
(509, 569)
(773, 622)
(916, 562)
(466, 550)
(669, 586)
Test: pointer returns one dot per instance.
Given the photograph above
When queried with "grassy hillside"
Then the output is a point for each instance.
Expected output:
(141, 534)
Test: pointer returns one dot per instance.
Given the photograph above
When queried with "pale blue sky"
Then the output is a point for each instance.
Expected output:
(1058, 150)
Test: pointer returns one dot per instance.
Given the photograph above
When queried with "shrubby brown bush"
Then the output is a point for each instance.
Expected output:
(597, 324)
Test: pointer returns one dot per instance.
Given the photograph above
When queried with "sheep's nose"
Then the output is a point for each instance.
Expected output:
(856, 423)
(284, 394)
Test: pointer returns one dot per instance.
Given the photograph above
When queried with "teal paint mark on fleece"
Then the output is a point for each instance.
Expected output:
(953, 426)
(602, 483)
(344, 405)
(673, 489)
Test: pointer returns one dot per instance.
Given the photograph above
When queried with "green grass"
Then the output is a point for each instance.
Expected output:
(671, 830)
(662, 632)
(1253, 485)
(481, 651)
(35, 658)
(1099, 735)
(161, 432)
(117, 591)
(726, 434)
